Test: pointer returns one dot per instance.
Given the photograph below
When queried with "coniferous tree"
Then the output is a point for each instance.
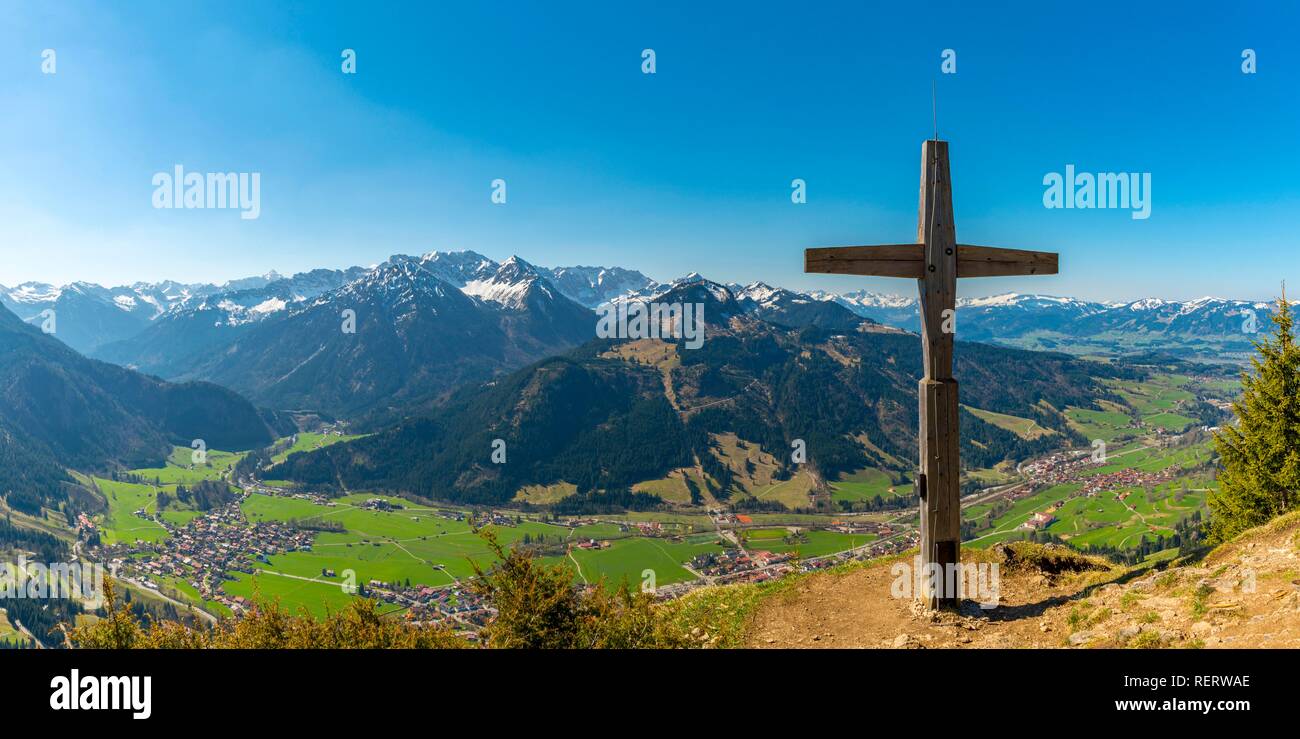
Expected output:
(1260, 475)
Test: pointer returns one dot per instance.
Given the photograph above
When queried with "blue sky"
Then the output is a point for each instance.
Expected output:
(685, 170)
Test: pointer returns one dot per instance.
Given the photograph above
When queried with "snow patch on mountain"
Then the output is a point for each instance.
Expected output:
(33, 292)
(509, 285)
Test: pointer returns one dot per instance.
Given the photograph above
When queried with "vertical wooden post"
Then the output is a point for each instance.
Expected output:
(940, 461)
(936, 261)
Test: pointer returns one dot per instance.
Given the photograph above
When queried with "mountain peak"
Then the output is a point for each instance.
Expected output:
(399, 280)
(516, 265)
(459, 267)
(510, 285)
(688, 279)
(593, 285)
(694, 288)
(759, 292)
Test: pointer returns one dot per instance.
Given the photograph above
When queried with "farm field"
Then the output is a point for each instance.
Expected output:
(7, 631)
(181, 590)
(1098, 424)
(415, 544)
(318, 598)
(813, 544)
(1221, 387)
(629, 558)
(545, 494)
(754, 473)
(1152, 459)
(1111, 518)
(180, 467)
(1005, 526)
(792, 493)
(1159, 393)
(675, 488)
(1000, 475)
(701, 522)
(1025, 428)
(866, 484)
(389, 546)
(121, 524)
(1169, 421)
(1158, 399)
(306, 441)
(1106, 520)
(1156, 402)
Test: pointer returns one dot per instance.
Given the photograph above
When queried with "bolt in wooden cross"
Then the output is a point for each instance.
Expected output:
(936, 263)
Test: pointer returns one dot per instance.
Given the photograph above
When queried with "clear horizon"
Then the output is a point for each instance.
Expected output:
(901, 283)
(685, 170)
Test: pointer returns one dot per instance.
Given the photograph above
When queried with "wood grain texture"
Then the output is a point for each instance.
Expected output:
(935, 262)
(992, 261)
(938, 285)
(941, 467)
(887, 260)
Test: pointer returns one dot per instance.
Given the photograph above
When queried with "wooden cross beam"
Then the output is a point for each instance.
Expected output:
(936, 261)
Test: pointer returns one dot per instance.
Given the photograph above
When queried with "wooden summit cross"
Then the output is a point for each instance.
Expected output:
(936, 263)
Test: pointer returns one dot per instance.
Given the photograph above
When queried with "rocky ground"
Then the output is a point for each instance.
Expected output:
(1246, 593)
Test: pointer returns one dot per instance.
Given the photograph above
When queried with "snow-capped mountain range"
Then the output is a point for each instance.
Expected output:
(91, 317)
(1009, 317)
(363, 342)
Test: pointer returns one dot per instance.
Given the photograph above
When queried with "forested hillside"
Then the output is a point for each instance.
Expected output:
(612, 414)
(59, 410)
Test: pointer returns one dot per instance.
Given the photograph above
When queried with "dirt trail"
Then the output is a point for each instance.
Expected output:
(857, 609)
(1245, 594)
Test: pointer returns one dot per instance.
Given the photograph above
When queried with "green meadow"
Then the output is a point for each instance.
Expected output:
(181, 467)
(1006, 526)
(1025, 428)
(1104, 519)
(809, 543)
(1156, 401)
(412, 543)
(306, 441)
(415, 544)
(1168, 421)
(1098, 424)
(629, 558)
(7, 631)
(865, 485)
(121, 524)
(318, 598)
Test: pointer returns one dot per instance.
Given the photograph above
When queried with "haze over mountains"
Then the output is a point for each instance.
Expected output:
(104, 314)
(59, 409)
(1017, 313)
(613, 414)
(363, 342)
(141, 324)
(438, 355)
(424, 325)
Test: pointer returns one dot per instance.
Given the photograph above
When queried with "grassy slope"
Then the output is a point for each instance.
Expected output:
(1249, 602)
